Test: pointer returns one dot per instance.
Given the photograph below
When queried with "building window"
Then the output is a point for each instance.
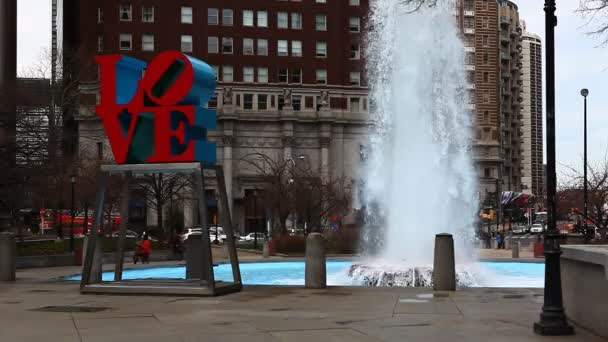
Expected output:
(248, 101)
(213, 16)
(248, 74)
(282, 20)
(247, 18)
(296, 21)
(147, 42)
(296, 102)
(354, 104)
(487, 173)
(147, 14)
(100, 43)
(262, 102)
(485, 40)
(227, 45)
(248, 46)
(321, 76)
(355, 51)
(321, 50)
(186, 15)
(212, 103)
(353, 2)
(354, 24)
(227, 17)
(321, 22)
(100, 150)
(296, 75)
(186, 43)
(262, 75)
(486, 116)
(283, 75)
(212, 45)
(99, 15)
(486, 76)
(485, 58)
(227, 73)
(262, 47)
(262, 19)
(125, 41)
(485, 22)
(125, 13)
(216, 71)
(296, 48)
(282, 49)
(355, 78)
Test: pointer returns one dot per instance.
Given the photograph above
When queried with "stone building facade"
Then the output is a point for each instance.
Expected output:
(290, 81)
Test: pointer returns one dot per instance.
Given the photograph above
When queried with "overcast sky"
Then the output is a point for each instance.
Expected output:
(579, 63)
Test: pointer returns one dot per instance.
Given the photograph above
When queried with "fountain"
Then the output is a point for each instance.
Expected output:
(420, 179)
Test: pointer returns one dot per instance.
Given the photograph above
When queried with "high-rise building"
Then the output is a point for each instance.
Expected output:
(479, 24)
(290, 79)
(492, 38)
(532, 115)
(510, 92)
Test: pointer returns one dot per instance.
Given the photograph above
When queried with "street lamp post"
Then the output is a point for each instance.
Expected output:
(585, 93)
(73, 182)
(217, 195)
(255, 219)
(553, 320)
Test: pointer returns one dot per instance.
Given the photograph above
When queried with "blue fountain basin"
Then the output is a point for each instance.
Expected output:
(487, 274)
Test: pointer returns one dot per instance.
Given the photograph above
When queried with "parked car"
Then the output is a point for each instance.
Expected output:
(129, 234)
(190, 231)
(221, 236)
(536, 228)
(520, 230)
(251, 237)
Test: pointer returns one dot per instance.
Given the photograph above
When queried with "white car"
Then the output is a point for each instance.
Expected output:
(519, 230)
(221, 236)
(191, 231)
(251, 237)
(536, 228)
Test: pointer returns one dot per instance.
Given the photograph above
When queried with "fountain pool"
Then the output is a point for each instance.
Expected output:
(485, 274)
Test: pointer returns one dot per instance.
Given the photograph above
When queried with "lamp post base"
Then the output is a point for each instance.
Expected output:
(553, 324)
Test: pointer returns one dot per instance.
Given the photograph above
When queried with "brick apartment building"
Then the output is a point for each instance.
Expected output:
(290, 79)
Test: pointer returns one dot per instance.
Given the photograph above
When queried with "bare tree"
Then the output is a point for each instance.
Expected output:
(161, 190)
(596, 12)
(293, 188)
(597, 185)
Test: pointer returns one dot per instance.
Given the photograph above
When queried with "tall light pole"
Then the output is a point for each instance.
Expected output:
(553, 320)
(585, 93)
(255, 219)
(73, 213)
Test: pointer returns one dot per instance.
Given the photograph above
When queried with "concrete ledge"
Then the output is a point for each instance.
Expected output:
(61, 260)
(584, 271)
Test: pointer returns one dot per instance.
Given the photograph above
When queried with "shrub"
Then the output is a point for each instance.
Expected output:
(290, 244)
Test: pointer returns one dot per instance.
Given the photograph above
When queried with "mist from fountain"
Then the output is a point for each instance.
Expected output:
(420, 179)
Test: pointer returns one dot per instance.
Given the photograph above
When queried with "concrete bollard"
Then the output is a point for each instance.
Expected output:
(515, 250)
(444, 266)
(8, 257)
(265, 250)
(316, 274)
(194, 256)
(96, 269)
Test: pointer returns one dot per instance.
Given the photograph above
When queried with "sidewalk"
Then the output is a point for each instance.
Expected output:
(267, 314)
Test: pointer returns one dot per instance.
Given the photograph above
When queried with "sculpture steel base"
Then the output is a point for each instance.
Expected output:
(205, 284)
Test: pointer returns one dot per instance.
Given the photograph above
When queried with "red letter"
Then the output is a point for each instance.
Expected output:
(163, 134)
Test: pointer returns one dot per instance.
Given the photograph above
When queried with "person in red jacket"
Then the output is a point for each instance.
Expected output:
(143, 251)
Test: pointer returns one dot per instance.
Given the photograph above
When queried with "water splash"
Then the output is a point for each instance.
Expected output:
(420, 179)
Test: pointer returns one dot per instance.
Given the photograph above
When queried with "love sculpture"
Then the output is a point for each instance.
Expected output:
(156, 123)
(155, 113)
